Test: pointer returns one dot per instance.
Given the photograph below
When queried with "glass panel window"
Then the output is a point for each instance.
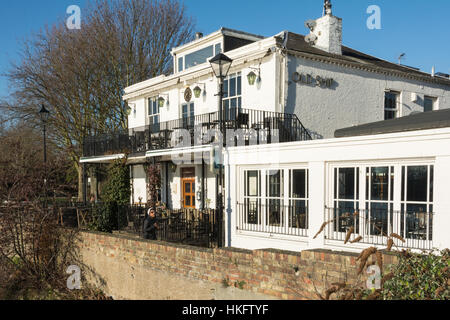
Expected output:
(346, 203)
(379, 215)
(252, 194)
(232, 97)
(274, 195)
(217, 49)
(417, 203)
(188, 115)
(298, 199)
(180, 64)
(429, 104)
(198, 57)
(153, 114)
(391, 105)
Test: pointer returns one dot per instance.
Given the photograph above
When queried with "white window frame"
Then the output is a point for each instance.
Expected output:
(182, 57)
(396, 199)
(150, 117)
(398, 109)
(434, 102)
(263, 228)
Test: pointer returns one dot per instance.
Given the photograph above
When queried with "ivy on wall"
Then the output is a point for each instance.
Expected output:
(153, 183)
(115, 195)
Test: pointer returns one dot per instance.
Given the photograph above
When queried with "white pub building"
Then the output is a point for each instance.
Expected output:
(291, 166)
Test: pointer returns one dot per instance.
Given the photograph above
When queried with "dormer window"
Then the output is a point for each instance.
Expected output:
(198, 57)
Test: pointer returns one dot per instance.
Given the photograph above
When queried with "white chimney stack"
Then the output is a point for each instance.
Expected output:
(328, 31)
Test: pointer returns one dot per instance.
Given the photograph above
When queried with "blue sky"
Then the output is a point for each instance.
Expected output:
(418, 28)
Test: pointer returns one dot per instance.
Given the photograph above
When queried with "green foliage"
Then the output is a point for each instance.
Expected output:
(419, 277)
(115, 196)
(226, 282)
(117, 187)
(104, 217)
(239, 284)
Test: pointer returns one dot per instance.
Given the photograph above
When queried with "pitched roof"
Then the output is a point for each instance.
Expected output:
(296, 42)
(420, 121)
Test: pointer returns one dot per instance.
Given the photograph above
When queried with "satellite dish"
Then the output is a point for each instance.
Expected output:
(311, 39)
(310, 24)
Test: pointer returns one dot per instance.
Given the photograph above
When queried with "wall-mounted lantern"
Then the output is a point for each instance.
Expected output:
(197, 91)
(172, 167)
(162, 101)
(128, 110)
(252, 77)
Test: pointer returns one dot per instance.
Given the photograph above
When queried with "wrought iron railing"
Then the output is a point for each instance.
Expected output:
(250, 126)
(376, 226)
(290, 220)
(192, 227)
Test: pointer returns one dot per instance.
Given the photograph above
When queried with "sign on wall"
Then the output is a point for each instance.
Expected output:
(309, 79)
(187, 94)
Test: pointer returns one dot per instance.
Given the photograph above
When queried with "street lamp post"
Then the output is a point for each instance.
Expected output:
(44, 114)
(221, 65)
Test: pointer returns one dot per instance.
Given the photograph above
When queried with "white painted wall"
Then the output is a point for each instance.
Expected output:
(356, 97)
(139, 183)
(419, 146)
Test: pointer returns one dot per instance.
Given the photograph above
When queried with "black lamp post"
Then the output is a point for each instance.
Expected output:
(44, 114)
(221, 65)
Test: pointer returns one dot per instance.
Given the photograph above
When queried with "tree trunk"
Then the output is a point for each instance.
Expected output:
(81, 182)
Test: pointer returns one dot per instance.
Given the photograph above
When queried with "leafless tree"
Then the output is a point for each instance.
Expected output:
(80, 75)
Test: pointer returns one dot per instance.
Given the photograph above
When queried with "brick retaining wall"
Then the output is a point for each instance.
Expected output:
(142, 269)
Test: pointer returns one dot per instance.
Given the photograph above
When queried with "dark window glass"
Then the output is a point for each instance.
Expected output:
(379, 183)
(390, 105)
(232, 87)
(180, 64)
(275, 183)
(417, 183)
(428, 103)
(274, 212)
(298, 184)
(217, 48)
(346, 183)
(198, 57)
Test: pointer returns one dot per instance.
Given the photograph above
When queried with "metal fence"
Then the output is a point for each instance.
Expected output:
(193, 227)
(290, 220)
(187, 226)
(376, 226)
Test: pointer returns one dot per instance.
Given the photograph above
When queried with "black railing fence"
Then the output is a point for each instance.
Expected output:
(192, 227)
(272, 218)
(251, 127)
(377, 225)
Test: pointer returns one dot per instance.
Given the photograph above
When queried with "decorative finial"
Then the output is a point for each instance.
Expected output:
(327, 7)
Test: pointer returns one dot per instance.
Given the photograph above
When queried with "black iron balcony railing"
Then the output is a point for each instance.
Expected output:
(250, 127)
(273, 218)
(376, 226)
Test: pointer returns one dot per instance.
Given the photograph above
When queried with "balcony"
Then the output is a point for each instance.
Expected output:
(251, 127)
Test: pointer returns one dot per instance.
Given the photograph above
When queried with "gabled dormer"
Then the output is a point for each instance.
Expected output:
(203, 48)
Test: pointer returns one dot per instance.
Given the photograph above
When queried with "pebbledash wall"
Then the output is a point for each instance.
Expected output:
(137, 269)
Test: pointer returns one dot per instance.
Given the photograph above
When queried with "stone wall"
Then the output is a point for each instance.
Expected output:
(140, 269)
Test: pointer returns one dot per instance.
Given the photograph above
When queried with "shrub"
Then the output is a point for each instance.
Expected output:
(418, 277)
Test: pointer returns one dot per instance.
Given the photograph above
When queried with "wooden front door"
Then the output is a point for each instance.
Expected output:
(188, 185)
